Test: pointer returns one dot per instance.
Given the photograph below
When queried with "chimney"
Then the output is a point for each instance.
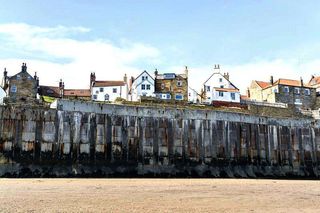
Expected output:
(24, 67)
(248, 92)
(61, 88)
(217, 67)
(226, 76)
(271, 80)
(186, 71)
(301, 81)
(125, 79)
(35, 76)
(37, 82)
(156, 73)
(92, 79)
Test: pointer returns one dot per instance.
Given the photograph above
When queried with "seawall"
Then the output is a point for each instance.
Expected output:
(83, 139)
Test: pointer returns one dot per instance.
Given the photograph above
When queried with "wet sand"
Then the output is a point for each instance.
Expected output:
(158, 195)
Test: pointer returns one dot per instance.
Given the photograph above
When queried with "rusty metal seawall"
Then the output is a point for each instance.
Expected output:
(84, 139)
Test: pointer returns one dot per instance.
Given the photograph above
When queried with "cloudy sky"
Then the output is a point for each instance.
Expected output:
(249, 39)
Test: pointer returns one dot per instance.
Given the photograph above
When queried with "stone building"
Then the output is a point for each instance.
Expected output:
(171, 86)
(287, 91)
(21, 88)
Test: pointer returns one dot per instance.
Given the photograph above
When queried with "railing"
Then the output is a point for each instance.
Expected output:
(260, 103)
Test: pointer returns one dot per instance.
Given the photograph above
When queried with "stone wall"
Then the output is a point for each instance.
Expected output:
(91, 139)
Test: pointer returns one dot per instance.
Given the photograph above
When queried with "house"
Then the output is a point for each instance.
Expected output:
(143, 85)
(108, 90)
(20, 88)
(193, 96)
(315, 82)
(50, 93)
(171, 86)
(287, 91)
(218, 87)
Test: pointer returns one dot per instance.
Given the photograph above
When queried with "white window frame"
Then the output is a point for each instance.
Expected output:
(220, 94)
(307, 91)
(286, 89)
(233, 96)
(114, 90)
(179, 83)
(296, 90)
(13, 88)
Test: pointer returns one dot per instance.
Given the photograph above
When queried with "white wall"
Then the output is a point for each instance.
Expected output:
(121, 91)
(218, 80)
(143, 81)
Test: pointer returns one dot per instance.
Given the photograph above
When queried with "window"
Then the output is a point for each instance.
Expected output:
(286, 89)
(114, 90)
(220, 79)
(275, 90)
(97, 91)
(142, 78)
(143, 86)
(162, 86)
(297, 90)
(146, 77)
(148, 87)
(220, 94)
(179, 83)
(168, 96)
(106, 97)
(297, 101)
(101, 89)
(179, 97)
(221, 86)
(18, 77)
(94, 97)
(13, 88)
(208, 88)
(233, 96)
(307, 91)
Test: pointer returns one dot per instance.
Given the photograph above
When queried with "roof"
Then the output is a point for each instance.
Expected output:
(290, 82)
(142, 73)
(226, 89)
(218, 73)
(108, 83)
(169, 76)
(244, 97)
(77, 92)
(50, 91)
(314, 81)
(263, 84)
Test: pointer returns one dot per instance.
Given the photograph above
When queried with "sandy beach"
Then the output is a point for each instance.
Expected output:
(159, 195)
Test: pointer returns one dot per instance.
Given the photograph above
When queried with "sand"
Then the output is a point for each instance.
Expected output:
(158, 195)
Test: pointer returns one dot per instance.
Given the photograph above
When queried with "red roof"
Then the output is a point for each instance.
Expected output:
(77, 92)
(108, 83)
(314, 81)
(290, 82)
(263, 84)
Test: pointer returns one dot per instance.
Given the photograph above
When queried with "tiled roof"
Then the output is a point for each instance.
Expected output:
(244, 97)
(108, 83)
(263, 84)
(226, 89)
(290, 82)
(77, 92)
(314, 81)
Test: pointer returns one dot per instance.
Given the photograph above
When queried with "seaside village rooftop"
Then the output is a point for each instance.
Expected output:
(289, 97)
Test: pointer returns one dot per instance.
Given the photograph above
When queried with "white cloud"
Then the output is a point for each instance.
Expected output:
(76, 59)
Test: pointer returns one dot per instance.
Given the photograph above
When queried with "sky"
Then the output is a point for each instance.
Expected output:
(251, 40)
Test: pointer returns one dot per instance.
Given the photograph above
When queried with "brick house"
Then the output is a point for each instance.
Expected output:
(288, 91)
(171, 86)
(21, 88)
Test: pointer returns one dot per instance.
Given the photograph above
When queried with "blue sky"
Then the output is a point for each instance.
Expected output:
(250, 39)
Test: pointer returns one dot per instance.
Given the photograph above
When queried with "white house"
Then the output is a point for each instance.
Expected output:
(143, 85)
(193, 96)
(219, 88)
(108, 90)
